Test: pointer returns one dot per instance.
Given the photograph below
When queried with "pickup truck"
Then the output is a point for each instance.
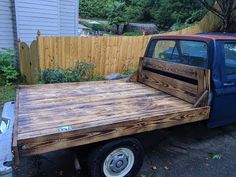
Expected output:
(181, 79)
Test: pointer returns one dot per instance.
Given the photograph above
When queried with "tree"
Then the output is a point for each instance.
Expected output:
(166, 13)
(224, 12)
(93, 8)
(117, 14)
(137, 10)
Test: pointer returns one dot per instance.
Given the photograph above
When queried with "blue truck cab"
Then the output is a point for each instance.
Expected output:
(216, 52)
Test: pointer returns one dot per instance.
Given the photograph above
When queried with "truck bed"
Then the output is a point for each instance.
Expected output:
(52, 117)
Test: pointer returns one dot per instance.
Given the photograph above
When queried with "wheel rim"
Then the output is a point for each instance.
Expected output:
(118, 163)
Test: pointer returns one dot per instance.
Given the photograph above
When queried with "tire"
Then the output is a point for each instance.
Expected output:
(118, 158)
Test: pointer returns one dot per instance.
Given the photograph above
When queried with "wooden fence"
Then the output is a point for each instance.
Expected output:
(108, 53)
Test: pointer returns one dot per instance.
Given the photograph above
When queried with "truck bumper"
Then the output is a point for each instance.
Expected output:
(6, 132)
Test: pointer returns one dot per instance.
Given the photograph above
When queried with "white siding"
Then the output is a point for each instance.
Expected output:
(7, 39)
(35, 15)
(69, 17)
(50, 17)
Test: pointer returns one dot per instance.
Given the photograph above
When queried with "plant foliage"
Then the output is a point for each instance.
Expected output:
(8, 69)
(165, 13)
(82, 72)
(7, 93)
(116, 14)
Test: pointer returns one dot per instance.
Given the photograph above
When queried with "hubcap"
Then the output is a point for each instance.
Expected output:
(118, 163)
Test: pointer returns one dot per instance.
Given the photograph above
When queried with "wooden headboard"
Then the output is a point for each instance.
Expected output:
(188, 83)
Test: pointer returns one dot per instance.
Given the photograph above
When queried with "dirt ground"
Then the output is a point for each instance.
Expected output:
(184, 151)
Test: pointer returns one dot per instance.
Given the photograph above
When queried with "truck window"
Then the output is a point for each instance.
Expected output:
(192, 53)
(230, 60)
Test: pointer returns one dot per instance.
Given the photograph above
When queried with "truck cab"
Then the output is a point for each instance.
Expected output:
(214, 52)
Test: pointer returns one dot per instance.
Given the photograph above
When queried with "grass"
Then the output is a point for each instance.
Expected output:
(7, 93)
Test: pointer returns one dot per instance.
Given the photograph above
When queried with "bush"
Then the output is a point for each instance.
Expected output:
(82, 72)
(135, 33)
(8, 69)
(98, 78)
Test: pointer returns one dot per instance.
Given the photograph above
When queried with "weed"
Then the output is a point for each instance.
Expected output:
(7, 93)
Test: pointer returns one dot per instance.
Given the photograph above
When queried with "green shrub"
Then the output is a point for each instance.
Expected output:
(82, 72)
(134, 33)
(98, 78)
(128, 72)
(98, 27)
(8, 69)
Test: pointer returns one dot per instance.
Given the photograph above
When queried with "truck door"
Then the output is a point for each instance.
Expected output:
(224, 84)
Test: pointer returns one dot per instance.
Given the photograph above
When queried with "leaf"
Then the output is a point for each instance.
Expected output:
(215, 156)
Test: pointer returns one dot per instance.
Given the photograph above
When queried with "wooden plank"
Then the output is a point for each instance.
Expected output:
(41, 53)
(34, 62)
(95, 134)
(86, 112)
(185, 82)
(174, 68)
(204, 84)
(47, 105)
(140, 69)
(174, 84)
(201, 100)
(171, 86)
(52, 128)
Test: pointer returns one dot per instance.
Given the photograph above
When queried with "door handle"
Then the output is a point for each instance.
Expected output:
(228, 84)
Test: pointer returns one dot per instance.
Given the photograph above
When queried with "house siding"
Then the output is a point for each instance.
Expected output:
(68, 17)
(7, 27)
(34, 15)
(50, 17)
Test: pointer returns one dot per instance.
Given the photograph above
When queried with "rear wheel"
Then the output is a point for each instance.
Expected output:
(118, 158)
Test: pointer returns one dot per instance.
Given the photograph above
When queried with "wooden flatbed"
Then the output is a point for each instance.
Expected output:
(58, 116)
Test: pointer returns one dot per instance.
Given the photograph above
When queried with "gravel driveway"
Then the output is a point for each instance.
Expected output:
(183, 151)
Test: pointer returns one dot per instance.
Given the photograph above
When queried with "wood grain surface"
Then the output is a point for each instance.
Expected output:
(159, 95)
(185, 82)
(95, 111)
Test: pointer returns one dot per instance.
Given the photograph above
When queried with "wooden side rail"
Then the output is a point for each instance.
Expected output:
(203, 100)
(188, 83)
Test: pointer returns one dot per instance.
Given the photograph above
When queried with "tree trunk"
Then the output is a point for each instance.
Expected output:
(117, 29)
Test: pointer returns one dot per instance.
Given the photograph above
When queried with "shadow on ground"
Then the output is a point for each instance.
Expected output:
(183, 151)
